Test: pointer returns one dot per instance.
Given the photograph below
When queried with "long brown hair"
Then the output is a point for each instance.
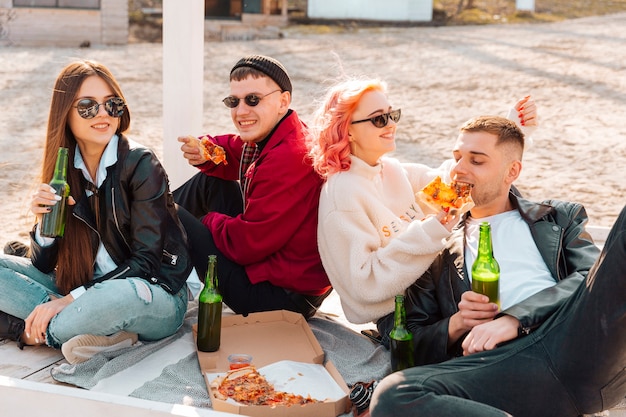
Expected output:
(76, 252)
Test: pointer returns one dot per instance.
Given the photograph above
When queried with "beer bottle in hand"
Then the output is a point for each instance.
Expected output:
(53, 222)
(210, 311)
(485, 270)
(400, 339)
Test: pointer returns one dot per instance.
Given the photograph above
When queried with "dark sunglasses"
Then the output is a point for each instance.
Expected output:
(88, 108)
(251, 100)
(383, 119)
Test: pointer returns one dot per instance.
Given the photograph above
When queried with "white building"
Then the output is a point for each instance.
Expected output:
(374, 10)
(69, 23)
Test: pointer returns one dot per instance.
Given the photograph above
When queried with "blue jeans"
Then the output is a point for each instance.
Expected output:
(574, 363)
(131, 304)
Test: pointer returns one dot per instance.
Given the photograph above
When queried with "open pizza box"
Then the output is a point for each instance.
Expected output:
(274, 338)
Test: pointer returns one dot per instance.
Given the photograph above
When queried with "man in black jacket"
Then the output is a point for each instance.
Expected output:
(560, 335)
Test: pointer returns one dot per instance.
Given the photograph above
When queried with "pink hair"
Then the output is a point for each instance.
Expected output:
(329, 144)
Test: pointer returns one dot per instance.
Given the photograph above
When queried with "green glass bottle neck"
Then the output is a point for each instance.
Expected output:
(485, 248)
(399, 316)
(60, 168)
(210, 279)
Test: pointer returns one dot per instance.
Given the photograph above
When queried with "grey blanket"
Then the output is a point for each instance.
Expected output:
(355, 357)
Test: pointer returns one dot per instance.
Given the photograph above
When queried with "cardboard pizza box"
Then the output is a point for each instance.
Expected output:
(271, 337)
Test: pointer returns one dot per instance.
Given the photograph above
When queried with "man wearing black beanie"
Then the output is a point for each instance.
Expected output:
(257, 210)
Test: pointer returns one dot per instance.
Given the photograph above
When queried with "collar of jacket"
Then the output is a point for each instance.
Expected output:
(82, 209)
(277, 132)
(531, 212)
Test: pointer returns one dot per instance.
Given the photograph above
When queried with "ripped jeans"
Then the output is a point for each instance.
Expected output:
(133, 304)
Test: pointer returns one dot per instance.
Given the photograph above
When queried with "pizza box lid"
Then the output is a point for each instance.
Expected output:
(270, 337)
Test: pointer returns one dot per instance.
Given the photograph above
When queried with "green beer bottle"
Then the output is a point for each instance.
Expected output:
(53, 222)
(485, 270)
(400, 339)
(210, 311)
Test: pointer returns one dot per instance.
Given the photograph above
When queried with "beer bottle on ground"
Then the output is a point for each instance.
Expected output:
(53, 222)
(210, 311)
(485, 270)
(400, 339)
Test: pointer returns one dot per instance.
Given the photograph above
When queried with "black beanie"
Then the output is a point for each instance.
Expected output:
(268, 66)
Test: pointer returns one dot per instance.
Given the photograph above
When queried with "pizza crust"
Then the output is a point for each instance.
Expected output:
(220, 380)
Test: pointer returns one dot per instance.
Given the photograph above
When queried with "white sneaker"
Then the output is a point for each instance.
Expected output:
(82, 347)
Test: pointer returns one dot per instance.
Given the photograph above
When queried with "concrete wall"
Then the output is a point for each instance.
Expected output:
(64, 27)
(378, 10)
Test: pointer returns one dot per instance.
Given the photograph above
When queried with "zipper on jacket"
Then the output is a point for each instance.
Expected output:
(117, 224)
(523, 331)
(173, 258)
(89, 226)
(122, 272)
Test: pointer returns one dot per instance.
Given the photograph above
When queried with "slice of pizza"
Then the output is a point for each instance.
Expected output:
(447, 196)
(247, 386)
(211, 151)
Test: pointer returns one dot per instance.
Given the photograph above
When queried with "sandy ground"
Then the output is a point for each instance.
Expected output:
(440, 77)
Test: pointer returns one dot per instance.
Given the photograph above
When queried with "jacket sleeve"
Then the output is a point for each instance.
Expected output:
(428, 315)
(575, 258)
(232, 147)
(44, 258)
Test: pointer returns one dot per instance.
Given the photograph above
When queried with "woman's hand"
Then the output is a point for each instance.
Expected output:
(44, 198)
(38, 320)
(448, 219)
(527, 112)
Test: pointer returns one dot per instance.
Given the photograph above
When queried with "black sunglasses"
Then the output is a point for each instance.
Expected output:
(88, 108)
(382, 119)
(251, 100)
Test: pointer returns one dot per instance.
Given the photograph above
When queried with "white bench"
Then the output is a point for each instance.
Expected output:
(599, 234)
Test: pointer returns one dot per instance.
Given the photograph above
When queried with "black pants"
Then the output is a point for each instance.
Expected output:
(574, 363)
(203, 194)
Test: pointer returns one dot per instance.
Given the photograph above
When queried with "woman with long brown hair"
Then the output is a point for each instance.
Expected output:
(119, 271)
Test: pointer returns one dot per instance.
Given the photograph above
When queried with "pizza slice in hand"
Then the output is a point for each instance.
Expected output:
(211, 151)
(455, 197)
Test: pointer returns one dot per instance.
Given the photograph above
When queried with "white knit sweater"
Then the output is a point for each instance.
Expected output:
(372, 235)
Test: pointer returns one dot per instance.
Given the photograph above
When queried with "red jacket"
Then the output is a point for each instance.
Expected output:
(276, 237)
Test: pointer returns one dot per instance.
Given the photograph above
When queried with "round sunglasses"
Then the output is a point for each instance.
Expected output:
(251, 100)
(382, 119)
(88, 108)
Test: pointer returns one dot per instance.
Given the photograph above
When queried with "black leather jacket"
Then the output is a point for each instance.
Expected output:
(139, 226)
(558, 229)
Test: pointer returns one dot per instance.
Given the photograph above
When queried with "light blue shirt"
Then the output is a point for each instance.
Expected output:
(104, 263)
